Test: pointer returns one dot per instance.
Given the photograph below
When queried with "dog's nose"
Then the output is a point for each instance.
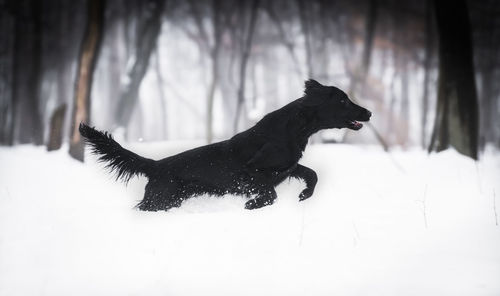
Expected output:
(369, 113)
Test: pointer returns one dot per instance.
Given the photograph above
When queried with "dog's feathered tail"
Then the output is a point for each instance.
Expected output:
(121, 161)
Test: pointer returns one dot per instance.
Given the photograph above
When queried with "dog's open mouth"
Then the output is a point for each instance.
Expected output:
(354, 125)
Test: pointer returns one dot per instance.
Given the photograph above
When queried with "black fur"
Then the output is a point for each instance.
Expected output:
(251, 163)
(125, 163)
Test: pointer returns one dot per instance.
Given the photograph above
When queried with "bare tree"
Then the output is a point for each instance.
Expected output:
(56, 128)
(214, 53)
(146, 42)
(361, 72)
(213, 48)
(245, 55)
(486, 25)
(429, 45)
(304, 11)
(162, 98)
(285, 40)
(63, 77)
(7, 25)
(405, 100)
(86, 63)
(27, 72)
(457, 116)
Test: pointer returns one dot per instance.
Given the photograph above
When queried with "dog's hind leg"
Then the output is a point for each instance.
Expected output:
(264, 198)
(152, 198)
(309, 176)
(160, 196)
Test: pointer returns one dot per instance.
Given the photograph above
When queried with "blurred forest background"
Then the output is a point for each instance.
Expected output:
(189, 69)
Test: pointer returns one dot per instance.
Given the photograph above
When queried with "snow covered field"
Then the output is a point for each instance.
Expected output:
(403, 223)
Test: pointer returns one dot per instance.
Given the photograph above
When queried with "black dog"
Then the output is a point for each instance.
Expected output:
(251, 163)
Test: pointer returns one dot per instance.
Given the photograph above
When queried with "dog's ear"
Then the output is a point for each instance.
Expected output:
(311, 83)
(314, 93)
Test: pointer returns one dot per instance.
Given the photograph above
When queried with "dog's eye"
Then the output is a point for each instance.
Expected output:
(343, 102)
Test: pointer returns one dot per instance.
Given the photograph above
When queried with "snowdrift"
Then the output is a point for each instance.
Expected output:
(403, 223)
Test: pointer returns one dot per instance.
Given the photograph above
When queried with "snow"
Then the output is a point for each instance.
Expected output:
(404, 223)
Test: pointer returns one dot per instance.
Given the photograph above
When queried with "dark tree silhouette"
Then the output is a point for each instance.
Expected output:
(359, 76)
(287, 42)
(253, 60)
(27, 73)
(146, 43)
(212, 45)
(304, 8)
(161, 94)
(456, 121)
(86, 64)
(56, 128)
(429, 45)
(7, 25)
(487, 61)
(370, 27)
(245, 55)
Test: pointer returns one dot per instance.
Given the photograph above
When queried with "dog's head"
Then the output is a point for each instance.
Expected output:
(332, 107)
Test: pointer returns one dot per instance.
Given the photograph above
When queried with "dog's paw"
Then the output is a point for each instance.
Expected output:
(257, 203)
(305, 194)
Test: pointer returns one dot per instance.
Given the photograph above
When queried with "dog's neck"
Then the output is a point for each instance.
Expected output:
(302, 125)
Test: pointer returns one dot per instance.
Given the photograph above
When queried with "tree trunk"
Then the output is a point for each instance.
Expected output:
(162, 97)
(304, 24)
(370, 27)
(64, 81)
(429, 38)
(457, 116)
(245, 55)
(488, 107)
(56, 128)
(7, 26)
(404, 130)
(146, 43)
(88, 57)
(210, 100)
(360, 73)
(358, 76)
(289, 45)
(27, 123)
(214, 53)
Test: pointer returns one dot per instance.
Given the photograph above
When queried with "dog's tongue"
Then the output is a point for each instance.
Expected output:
(356, 124)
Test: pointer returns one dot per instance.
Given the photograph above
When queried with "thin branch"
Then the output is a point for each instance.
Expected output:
(182, 99)
(378, 136)
(302, 225)
(495, 207)
(478, 174)
(356, 232)
(195, 13)
(424, 206)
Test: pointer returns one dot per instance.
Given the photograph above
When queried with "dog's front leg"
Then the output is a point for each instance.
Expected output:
(309, 176)
(264, 198)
